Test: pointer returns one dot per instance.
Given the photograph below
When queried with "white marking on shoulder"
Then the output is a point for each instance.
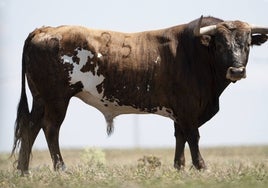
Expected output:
(99, 55)
(88, 80)
(158, 59)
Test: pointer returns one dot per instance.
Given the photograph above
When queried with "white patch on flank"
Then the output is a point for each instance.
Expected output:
(88, 80)
(99, 55)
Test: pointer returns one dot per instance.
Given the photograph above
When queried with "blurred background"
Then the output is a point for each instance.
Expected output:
(242, 120)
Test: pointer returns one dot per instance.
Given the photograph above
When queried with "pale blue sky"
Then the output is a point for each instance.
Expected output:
(242, 120)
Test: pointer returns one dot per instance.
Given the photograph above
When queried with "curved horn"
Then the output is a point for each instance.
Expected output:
(207, 30)
(259, 29)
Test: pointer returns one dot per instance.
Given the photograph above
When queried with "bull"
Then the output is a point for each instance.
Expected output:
(178, 72)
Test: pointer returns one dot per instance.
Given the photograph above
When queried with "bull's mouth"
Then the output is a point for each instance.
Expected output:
(236, 73)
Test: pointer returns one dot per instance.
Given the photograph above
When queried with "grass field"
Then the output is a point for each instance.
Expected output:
(227, 167)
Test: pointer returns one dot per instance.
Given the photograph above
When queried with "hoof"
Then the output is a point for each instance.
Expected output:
(200, 165)
(25, 173)
(60, 167)
(178, 165)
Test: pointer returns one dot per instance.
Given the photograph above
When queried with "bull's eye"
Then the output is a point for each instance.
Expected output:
(219, 47)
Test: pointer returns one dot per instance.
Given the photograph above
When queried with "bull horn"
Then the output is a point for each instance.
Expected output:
(259, 29)
(207, 30)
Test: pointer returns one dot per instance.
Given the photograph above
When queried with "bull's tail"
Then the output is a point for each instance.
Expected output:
(110, 124)
(22, 120)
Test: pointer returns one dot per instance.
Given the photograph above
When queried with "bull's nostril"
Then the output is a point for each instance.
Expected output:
(234, 73)
(240, 70)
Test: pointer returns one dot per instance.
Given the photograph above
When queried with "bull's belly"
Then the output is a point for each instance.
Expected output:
(90, 80)
(113, 109)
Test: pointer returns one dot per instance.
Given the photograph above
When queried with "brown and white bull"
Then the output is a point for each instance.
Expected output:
(178, 72)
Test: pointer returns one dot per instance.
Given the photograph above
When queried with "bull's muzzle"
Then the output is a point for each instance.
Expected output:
(236, 73)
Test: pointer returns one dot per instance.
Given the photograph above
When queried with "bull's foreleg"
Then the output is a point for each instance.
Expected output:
(192, 138)
(179, 160)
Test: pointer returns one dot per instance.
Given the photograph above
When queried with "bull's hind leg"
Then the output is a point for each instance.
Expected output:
(29, 134)
(54, 115)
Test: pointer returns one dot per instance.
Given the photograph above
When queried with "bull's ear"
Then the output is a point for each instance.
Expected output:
(258, 39)
(205, 40)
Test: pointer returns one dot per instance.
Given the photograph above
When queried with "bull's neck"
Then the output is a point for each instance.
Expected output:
(219, 76)
(199, 62)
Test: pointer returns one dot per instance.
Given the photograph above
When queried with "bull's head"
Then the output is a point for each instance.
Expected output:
(232, 41)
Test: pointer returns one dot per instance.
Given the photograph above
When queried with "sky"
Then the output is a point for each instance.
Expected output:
(242, 119)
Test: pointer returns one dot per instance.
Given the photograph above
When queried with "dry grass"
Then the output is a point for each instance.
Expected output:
(227, 167)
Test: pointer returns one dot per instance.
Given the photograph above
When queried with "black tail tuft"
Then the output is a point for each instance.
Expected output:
(22, 119)
(110, 124)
